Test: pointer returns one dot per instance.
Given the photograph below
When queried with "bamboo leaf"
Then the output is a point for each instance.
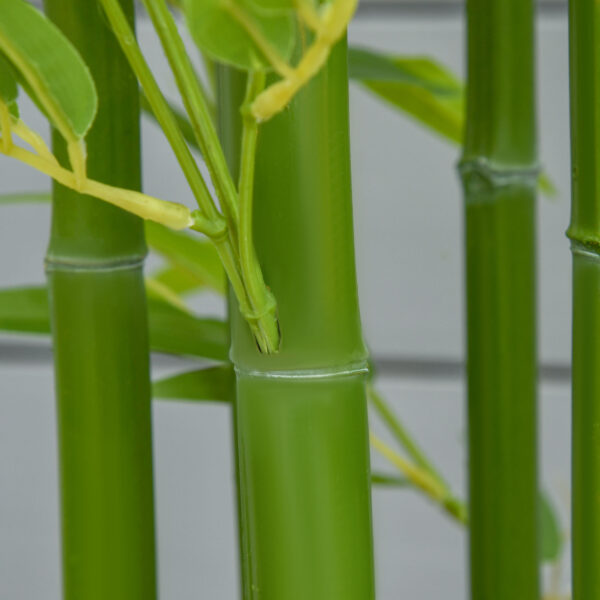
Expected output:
(176, 332)
(385, 480)
(178, 280)
(367, 65)
(25, 310)
(25, 198)
(9, 90)
(235, 32)
(552, 540)
(421, 88)
(52, 71)
(274, 5)
(211, 384)
(418, 86)
(198, 258)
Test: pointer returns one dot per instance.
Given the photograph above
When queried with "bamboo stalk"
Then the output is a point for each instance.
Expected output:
(584, 232)
(499, 172)
(301, 421)
(99, 324)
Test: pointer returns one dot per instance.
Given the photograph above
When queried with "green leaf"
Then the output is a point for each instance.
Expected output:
(9, 90)
(197, 257)
(551, 537)
(546, 186)
(417, 86)
(25, 310)
(210, 384)
(174, 331)
(178, 280)
(25, 198)
(53, 72)
(221, 28)
(274, 5)
(421, 88)
(384, 480)
(368, 65)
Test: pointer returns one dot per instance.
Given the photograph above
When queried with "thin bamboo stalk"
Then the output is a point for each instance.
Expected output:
(499, 172)
(99, 325)
(584, 232)
(301, 420)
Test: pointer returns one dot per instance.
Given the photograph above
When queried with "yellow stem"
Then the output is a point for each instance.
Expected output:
(171, 214)
(417, 476)
(5, 127)
(333, 24)
(34, 139)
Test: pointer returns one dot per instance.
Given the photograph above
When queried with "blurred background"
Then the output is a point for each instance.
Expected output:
(408, 222)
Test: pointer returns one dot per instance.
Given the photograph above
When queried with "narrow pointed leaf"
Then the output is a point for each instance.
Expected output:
(417, 86)
(421, 88)
(552, 539)
(25, 310)
(9, 90)
(25, 198)
(51, 69)
(221, 29)
(178, 280)
(211, 384)
(193, 255)
(367, 65)
(176, 332)
(385, 480)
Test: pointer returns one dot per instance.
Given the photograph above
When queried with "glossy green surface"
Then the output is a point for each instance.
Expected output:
(584, 50)
(304, 476)
(500, 122)
(85, 229)
(303, 227)
(99, 322)
(302, 446)
(584, 231)
(499, 171)
(501, 371)
(104, 430)
(586, 424)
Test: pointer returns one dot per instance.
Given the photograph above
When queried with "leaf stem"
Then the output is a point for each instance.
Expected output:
(261, 299)
(176, 216)
(164, 116)
(196, 106)
(401, 434)
(422, 480)
(333, 24)
(5, 127)
(224, 244)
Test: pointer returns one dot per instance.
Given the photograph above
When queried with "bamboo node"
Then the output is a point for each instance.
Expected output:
(481, 173)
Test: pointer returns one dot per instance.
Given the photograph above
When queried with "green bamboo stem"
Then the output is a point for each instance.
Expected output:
(301, 421)
(584, 232)
(95, 279)
(499, 172)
